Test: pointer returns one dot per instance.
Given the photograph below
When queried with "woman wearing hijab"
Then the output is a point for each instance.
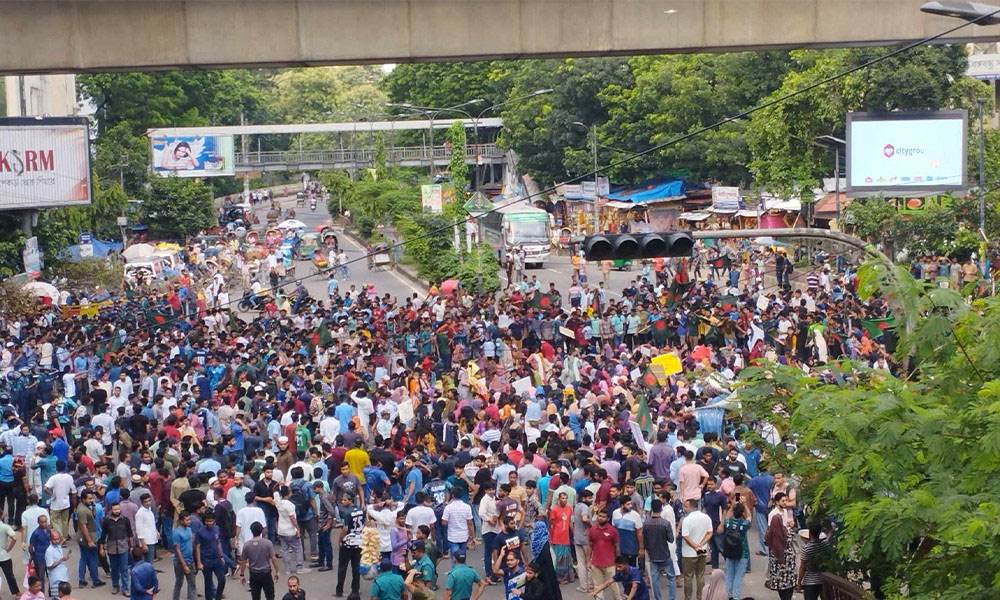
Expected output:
(781, 557)
(715, 589)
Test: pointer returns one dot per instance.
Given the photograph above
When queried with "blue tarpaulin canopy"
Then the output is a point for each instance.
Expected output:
(650, 190)
(101, 250)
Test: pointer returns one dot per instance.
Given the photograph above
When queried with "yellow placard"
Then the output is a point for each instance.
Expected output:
(670, 364)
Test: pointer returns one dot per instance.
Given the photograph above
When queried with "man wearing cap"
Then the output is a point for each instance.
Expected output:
(421, 562)
(389, 584)
(463, 581)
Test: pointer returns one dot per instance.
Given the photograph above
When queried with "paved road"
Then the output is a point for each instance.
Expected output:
(385, 281)
(321, 585)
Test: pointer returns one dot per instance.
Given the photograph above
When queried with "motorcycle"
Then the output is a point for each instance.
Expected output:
(250, 302)
(312, 205)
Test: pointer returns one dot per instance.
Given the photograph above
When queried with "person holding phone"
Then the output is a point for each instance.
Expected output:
(696, 530)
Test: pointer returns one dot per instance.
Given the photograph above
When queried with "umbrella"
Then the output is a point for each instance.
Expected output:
(449, 286)
(138, 251)
(768, 241)
(42, 289)
(291, 224)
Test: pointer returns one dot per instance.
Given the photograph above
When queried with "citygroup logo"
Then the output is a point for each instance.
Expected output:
(889, 151)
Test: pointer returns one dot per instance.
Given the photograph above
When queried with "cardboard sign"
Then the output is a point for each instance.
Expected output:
(670, 364)
(405, 411)
(523, 385)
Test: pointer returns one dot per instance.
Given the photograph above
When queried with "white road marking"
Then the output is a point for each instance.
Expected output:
(401, 279)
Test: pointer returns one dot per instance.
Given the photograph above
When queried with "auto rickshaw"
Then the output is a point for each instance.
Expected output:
(309, 243)
(621, 264)
(300, 199)
(381, 257)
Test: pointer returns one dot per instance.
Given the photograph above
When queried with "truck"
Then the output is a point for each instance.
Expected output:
(513, 227)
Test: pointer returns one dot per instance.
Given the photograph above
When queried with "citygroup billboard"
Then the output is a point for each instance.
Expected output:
(193, 156)
(893, 152)
(44, 162)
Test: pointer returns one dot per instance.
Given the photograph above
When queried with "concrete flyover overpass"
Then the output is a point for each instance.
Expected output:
(39, 36)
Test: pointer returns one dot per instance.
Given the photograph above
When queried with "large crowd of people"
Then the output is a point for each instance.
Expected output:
(382, 439)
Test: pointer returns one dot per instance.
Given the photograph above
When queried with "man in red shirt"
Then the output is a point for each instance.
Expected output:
(603, 540)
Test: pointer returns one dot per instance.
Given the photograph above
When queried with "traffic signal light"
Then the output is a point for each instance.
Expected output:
(627, 246)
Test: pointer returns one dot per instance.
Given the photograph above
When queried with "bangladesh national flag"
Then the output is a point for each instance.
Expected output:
(321, 337)
(540, 300)
(660, 332)
(728, 302)
(722, 262)
(677, 292)
(649, 380)
(642, 416)
(154, 317)
(876, 327)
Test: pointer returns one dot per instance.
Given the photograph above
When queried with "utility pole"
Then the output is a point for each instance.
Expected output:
(982, 206)
(597, 216)
(243, 144)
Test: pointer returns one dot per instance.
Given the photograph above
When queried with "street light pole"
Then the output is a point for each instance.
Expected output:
(597, 214)
(982, 169)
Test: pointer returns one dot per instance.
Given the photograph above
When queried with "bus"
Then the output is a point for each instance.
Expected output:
(518, 227)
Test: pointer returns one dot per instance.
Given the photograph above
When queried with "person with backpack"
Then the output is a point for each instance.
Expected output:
(304, 499)
(225, 520)
(289, 534)
(735, 548)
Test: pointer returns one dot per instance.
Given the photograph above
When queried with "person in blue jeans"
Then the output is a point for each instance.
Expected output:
(735, 524)
(209, 557)
(761, 486)
(86, 526)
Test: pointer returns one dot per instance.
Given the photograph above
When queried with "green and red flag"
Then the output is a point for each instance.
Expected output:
(660, 332)
(728, 302)
(155, 317)
(876, 327)
(540, 300)
(321, 336)
(677, 292)
(642, 416)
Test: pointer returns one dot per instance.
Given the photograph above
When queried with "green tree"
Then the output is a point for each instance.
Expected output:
(178, 207)
(174, 98)
(905, 464)
(781, 138)
(341, 190)
(675, 95)
(459, 170)
(541, 129)
(122, 157)
(441, 85)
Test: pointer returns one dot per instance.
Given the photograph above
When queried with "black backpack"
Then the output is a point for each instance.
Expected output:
(732, 543)
(300, 501)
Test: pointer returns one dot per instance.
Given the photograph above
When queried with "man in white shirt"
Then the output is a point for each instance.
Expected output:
(289, 534)
(457, 521)
(491, 523)
(696, 531)
(329, 426)
(245, 517)
(59, 487)
(145, 526)
(384, 514)
(420, 514)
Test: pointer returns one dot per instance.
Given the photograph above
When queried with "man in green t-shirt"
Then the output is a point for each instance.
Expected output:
(302, 437)
(463, 581)
(389, 584)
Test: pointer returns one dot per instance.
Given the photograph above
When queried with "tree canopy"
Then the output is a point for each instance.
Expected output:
(906, 465)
